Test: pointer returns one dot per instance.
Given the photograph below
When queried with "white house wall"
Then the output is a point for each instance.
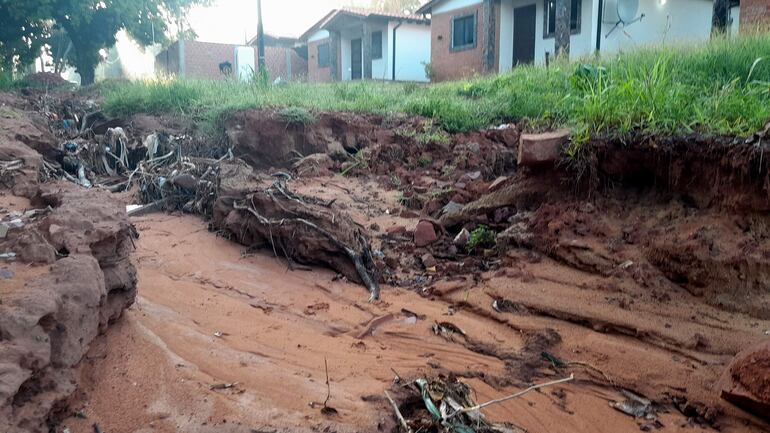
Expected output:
(580, 44)
(380, 67)
(451, 5)
(506, 35)
(319, 35)
(674, 21)
(412, 52)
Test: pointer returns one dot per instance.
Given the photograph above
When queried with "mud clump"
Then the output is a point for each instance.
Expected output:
(25, 140)
(746, 382)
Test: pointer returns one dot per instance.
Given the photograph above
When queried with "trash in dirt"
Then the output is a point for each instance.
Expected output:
(220, 386)
(553, 360)
(9, 256)
(219, 334)
(3, 231)
(448, 406)
(502, 305)
(627, 264)
(634, 405)
(6, 274)
(410, 313)
(447, 330)
(16, 223)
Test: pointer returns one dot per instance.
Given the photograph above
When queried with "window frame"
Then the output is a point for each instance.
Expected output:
(546, 19)
(474, 19)
(328, 61)
(377, 55)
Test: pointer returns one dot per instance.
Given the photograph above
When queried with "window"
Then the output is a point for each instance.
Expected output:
(376, 45)
(464, 32)
(550, 17)
(323, 56)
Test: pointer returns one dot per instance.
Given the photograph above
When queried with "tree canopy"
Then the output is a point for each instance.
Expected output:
(88, 25)
(396, 6)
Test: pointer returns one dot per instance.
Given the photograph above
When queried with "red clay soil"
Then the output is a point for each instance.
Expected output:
(632, 279)
(72, 279)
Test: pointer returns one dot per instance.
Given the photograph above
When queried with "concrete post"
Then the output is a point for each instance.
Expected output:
(334, 49)
(366, 46)
(720, 17)
(488, 33)
(562, 27)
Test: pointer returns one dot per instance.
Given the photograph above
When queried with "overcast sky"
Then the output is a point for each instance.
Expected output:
(230, 21)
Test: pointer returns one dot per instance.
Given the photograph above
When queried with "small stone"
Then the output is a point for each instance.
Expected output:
(424, 234)
(451, 208)
(471, 176)
(396, 230)
(3, 231)
(462, 238)
(428, 261)
(540, 149)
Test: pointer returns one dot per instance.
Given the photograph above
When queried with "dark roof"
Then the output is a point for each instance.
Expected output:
(362, 14)
(427, 7)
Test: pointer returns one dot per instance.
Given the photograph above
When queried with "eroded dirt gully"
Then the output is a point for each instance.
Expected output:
(648, 275)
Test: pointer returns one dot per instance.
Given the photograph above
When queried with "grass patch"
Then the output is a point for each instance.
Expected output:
(721, 87)
(297, 116)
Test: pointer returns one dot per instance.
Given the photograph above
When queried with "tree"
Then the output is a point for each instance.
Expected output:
(21, 34)
(91, 25)
(396, 6)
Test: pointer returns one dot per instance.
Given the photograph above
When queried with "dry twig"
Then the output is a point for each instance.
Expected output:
(510, 397)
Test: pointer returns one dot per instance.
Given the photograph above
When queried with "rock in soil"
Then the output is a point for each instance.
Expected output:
(746, 382)
(424, 234)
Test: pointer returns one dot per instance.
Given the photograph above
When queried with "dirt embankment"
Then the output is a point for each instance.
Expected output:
(65, 277)
(647, 275)
(655, 232)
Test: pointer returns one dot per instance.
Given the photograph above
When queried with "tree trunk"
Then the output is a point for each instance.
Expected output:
(719, 19)
(562, 27)
(87, 74)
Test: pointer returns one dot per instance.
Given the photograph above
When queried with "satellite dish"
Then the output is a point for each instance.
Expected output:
(621, 13)
(627, 10)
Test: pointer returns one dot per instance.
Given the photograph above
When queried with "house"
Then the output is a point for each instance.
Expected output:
(353, 44)
(484, 36)
(284, 59)
(755, 14)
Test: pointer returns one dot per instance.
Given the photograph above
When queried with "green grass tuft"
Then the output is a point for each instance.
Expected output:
(721, 87)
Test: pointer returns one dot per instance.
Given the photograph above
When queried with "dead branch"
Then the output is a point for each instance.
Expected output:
(358, 260)
(398, 413)
(510, 397)
(328, 387)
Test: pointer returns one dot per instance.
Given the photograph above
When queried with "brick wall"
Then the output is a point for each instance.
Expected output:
(202, 59)
(314, 73)
(755, 14)
(453, 65)
(277, 63)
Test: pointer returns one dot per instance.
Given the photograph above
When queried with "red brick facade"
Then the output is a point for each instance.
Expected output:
(453, 65)
(755, 14)
(314, 73)
(202, 61)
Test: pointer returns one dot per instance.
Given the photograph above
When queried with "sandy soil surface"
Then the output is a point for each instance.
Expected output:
(222, 341)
